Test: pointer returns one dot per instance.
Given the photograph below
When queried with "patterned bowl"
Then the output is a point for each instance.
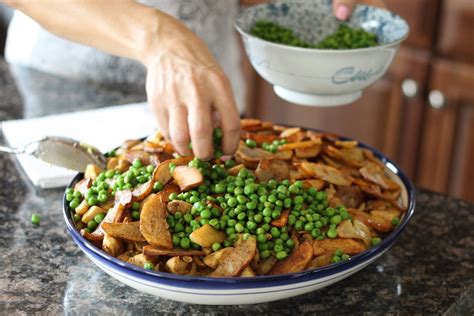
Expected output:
(249, 290)
(320, 77)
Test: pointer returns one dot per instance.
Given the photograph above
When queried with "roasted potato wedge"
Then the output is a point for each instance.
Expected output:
(153, 225)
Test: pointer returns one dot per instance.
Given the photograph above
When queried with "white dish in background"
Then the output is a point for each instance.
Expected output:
(320, 77)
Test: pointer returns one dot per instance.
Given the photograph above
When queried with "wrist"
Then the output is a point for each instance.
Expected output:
(168, 38)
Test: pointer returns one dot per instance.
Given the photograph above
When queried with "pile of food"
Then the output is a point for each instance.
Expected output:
(289, 200)
(345, 37)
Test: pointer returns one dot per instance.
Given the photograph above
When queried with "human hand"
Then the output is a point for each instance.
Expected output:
(343, 8)
(185, 86)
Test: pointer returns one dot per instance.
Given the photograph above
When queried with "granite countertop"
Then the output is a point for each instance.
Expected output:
(428, 271)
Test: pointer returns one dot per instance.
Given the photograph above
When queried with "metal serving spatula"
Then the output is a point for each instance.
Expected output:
(61, 151)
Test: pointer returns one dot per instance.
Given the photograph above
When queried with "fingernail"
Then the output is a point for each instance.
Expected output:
(342, 12)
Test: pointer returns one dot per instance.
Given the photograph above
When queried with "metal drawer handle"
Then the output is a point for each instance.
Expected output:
(409, 88)
(436, 99)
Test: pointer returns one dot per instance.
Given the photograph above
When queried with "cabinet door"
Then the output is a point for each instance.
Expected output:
(384, 117)
(447, 147)
(420, 16)
(457, 30)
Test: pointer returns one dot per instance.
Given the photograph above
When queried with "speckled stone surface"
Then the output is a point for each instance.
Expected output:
(430, 270)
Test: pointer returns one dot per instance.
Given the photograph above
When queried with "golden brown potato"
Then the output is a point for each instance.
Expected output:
(295, 262)
(91, 213)
(129, 231)
(187, 177)
(212, 259)
(92, 171)
(376, 174)
(328, 245)
(356, 230)
(179, 265)
(266, 265)
(299, 145)
(113, 246)
(309, 152)
(236, 261)
(206, 235)
(153, 251)
(140, 260)
(326, 173)
(82, 207)
(248, 272)
(178, 206)
(153, 225)
(274, 169)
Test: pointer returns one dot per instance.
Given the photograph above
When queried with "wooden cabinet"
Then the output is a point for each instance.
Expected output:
(446, 161)
(456, 34)
(421, 17)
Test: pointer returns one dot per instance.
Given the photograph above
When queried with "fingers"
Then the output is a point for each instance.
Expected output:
(200, 128)
(224, 103)
(161, 115)
(179, 132)
(342, 9)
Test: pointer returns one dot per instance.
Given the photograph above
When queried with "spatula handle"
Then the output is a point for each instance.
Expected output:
(9, 150)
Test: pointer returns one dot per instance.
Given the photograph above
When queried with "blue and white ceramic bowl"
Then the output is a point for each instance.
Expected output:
(320, 77)
(249, 290)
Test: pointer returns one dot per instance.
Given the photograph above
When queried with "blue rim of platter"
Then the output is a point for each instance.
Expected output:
(207, 283)
(325, 50)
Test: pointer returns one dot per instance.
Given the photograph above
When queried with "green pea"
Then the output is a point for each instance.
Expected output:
(258, 218)
(74, 203)
(216, 246)
(148, 266)
(241, 216)
(99, 218)
(69, 197)
(261, 238)
(290, 243)
(251, 225)
(250, 143)
(281, 255)
(35, 219)
(251, 205)
(102, 197)
(275, 232)
(336, 259)
(239, 228)
(276, 214)
(92, 225)
(331, 233)
(77, 218)
(92, 201)
(272, 148)
(336, 219)
(265, 254)
(309, 226)
(395, 221)
(185, 243)
(299, 225)
(229, 163)
(241, 199)
(376, 241)
(136, 215)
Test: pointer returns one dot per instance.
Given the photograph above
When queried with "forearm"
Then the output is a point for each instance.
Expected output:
(122, 27)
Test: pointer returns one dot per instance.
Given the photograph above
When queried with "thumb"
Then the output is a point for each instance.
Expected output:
(343, 8)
